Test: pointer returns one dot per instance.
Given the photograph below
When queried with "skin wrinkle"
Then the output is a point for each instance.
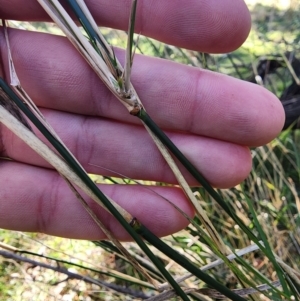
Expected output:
(8, 136)
(110, 226)
(146, 14)
(11, 196)
(44, 217)
(161, 218)
(46, 222)
(165, 169)
(78, 131)
(200, 86)
(193, 107)
(93, 96)
(77, 217)
(84, 132)
(122, 11)
(91, 150)
(111, 223)
(3, 55)
(106, 103)
(2, 145)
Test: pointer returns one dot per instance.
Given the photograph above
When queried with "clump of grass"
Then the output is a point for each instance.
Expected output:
(266, 202)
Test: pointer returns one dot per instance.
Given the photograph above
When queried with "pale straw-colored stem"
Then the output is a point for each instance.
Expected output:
(50, 156)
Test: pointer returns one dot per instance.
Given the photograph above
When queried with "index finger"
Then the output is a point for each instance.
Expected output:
(204, 25)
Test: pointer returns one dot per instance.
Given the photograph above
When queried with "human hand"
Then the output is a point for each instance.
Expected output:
(211, 117)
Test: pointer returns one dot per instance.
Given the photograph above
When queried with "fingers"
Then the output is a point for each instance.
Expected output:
(178, 97)
(50, 207)
(206, 25)
(106, 147)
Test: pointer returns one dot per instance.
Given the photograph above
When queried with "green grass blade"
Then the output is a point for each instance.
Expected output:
(194, 172)
(82, 174)
(92, 34)
(110, 248)
(267, 250)
(107, 272)
(295, 288)
(176, 152)
(258, 276)
(160, 245)
(85, 22)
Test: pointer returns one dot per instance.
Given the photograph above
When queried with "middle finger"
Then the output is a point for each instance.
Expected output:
(106, 147)
(179, 97)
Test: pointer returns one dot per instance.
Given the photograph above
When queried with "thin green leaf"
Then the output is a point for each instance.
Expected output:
(193, 171)
(93, 35)
(129, 227)
(267, 250)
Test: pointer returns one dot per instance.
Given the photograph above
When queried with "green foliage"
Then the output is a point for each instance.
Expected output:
(267, 202)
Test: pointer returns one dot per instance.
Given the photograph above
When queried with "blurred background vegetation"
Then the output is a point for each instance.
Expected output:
(82, 271)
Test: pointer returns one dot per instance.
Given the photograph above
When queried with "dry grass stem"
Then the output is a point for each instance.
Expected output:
(112, 238)
(20, 130)
(291, 69)
(34, 109)
(59, 15)
(16, 85)
(106, 72)
(295, 275)
(129, 53)
(87, 13)
(200, 212)
(70, 179)
(67, 173)
(215, 263)
(30, 103)
(212, 293)
(117, 274)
